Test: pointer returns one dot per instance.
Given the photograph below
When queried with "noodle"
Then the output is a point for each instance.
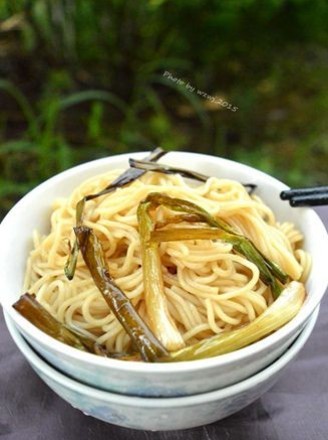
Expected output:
(208, 288)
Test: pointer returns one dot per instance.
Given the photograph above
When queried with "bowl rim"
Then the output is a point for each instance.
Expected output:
(164, 402)
(163, 368)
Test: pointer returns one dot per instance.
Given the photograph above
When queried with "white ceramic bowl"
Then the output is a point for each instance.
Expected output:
(158, 414)
(133, 378)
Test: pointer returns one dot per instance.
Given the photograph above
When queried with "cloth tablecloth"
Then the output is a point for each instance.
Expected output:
(296, 407)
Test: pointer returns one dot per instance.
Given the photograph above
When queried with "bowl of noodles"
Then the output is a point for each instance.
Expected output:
(167, 283)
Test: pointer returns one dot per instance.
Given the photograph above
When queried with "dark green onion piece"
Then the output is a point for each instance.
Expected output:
(240, 244)
(189, 218)
(33, 311)
(186, 207)
(129, 176)
(269, 271)
(168, 169)
(201, 233)
(142, 337)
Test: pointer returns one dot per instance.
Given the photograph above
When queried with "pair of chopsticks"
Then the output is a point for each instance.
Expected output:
(314, 196)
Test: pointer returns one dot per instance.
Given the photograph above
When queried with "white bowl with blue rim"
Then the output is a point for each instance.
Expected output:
(155, 379)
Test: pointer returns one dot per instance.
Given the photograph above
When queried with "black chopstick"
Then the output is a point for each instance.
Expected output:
(314, 196)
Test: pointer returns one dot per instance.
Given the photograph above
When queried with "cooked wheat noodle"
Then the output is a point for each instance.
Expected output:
(208, 288)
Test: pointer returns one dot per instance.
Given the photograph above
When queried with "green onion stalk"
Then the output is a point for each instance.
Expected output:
(129, 176)
(270, 273)
(33, 311)
(281, 311)
(141, 336)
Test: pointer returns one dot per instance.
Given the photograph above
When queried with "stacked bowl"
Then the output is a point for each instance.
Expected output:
(157, 396)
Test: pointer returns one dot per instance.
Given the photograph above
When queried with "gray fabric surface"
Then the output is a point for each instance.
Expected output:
(296, 408)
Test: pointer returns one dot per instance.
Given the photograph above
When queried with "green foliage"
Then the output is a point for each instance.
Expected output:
(82, 79)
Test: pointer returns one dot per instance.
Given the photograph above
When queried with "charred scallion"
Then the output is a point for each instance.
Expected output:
(33, 311)
(129, 176)
(270, 273)
(146, 165)
(142, 337)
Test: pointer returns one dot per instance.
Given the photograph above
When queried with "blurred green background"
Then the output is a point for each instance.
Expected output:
(83, 79)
